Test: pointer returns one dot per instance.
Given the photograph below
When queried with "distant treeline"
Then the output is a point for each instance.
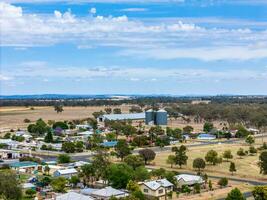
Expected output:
(142, 101)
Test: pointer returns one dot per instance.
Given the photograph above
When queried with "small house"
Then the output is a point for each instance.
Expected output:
(189, 180)
(26, 166)
(73, 196)
(108, 192)
(205, 136)
(67, 173)
(156, 188)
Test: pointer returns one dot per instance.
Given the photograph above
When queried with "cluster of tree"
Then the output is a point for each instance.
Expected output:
(72, 147)
(39, 128)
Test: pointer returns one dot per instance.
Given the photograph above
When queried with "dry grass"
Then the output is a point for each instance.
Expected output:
(246, 167)
(12, 117)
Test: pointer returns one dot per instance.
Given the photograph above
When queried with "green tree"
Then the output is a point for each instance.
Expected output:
(263, 162)
(79, 146)
(59, 184)
(210, 185)
(235, 194)
(207, 127)
(58, 108)
(132, 186)
(74, 180)
(199, 164)
(232, 168)
(30, 192)
(7, 136)
(48, 137)
(110, 136)
(241, 152)
(141, 174)
(188, 129)
(63, 158)
(171, 160)
(117, 111)
(260, 192)
(119, 175)
(46, 169)
(134, 161)
(197, 188)
(223, 182)
(252, 150)
(147, 154)
(108, 110)
(61, 125)
(250, 139)
(212, 157)
(68, 147)
(227, 155)
(9, 186)
(98, 114)
(180, 156)
(122, 149)
(88, 173)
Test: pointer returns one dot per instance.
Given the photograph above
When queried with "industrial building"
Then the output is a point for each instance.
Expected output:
(153, 117)
(128, 116)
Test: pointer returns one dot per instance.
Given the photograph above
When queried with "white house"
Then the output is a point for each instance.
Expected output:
(156, 188)
(108, 192)
(187, 179)
(9, 143)
(73, 196)
(67, 173)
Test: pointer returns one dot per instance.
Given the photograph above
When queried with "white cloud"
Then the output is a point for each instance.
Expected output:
(157, 39)
(204, 53)
(5, 78)
(134, 10)
(93, 11)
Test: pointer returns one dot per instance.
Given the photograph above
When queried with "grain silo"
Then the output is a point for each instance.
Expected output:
(149, 117)
(161, 117)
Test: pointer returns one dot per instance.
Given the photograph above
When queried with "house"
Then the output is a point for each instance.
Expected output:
(108, 192)
(26, 166)
(156, 188)
(67, 173)
(205, 136)
(9, 143)
(73, 196)
(253, 130)
(109, 144)
(83, 126)
(187, 179)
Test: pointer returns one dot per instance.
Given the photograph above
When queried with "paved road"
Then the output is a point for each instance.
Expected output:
(85, 156)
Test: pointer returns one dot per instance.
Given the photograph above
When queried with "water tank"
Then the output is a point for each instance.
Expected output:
(161, 117)
(149, 117)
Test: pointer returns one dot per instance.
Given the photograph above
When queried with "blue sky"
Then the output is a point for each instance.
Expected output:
(177, 47)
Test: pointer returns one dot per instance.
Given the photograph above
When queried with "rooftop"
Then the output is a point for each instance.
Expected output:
(73, 196)
(108, 192)
(67, 171)
(128, 116)
(24, 164)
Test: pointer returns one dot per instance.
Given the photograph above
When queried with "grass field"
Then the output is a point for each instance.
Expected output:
(13, 117)
(246, 167)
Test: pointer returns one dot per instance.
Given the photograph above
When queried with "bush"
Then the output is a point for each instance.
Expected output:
(223, 182)
(30, 192)
(26, 120)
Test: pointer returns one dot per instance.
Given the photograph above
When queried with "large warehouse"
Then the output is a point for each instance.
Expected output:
(128, 116)
(151, 117)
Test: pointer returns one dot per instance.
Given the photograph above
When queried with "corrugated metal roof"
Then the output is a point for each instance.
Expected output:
(67, 171)
(128, 116)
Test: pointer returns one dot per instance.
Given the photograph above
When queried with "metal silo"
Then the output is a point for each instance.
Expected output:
(149, 117)
(161, 117)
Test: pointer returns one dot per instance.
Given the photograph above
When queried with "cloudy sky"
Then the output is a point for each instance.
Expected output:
(177, 47)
